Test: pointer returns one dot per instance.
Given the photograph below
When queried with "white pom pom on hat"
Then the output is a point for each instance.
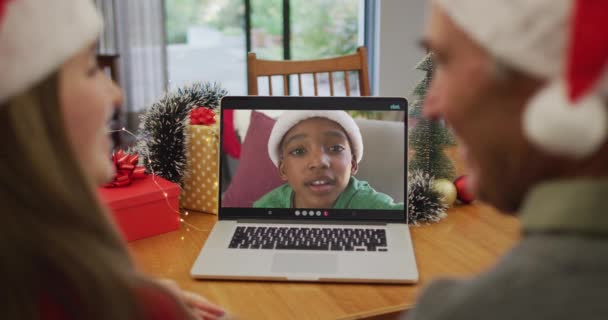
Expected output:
(570, 118)
(290, 118)
(557, 40)
(555, 124)
(38, 36)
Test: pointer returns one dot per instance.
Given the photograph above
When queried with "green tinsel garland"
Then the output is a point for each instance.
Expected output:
(423, 203)
(162, 127)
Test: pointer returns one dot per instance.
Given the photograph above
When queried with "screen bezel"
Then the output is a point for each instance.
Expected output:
(313, 103)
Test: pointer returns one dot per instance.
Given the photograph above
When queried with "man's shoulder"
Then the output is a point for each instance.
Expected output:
(534, 281)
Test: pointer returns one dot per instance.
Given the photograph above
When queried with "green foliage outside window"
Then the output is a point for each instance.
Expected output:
(319, 28)
(322, 28)
(180, 14)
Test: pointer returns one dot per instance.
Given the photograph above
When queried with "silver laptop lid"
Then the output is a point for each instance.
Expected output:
(311, 170)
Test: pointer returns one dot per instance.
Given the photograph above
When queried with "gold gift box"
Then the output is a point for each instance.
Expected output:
(201, 180)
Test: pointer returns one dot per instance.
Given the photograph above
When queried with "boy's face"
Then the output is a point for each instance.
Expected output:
(317, 162)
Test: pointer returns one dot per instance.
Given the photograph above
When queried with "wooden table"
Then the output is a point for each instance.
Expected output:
(468, 241)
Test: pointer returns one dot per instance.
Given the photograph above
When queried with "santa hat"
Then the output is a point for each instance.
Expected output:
(38, 36)
(289, 119)
(562, 41)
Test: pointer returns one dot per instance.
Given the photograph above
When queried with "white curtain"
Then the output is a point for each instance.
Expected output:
(134, 29)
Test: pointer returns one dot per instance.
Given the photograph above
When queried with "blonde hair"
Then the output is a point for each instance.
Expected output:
(56, 241)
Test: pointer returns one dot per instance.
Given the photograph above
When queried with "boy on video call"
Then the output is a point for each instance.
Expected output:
(317, 153)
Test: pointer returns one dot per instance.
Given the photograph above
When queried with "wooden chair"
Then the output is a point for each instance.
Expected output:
(343, 64)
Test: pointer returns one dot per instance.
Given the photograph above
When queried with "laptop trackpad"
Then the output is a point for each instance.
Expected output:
(305, 263)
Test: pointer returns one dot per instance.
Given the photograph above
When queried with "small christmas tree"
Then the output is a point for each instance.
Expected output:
(428, 138)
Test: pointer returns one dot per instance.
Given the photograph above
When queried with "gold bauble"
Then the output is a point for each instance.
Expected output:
(447, 191)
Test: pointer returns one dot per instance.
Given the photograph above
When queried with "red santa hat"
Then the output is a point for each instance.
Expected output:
(37, 36)
(562, 41)
(290, 118)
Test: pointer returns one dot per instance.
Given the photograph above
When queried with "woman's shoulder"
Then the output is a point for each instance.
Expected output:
(157, 304)
(154, 304)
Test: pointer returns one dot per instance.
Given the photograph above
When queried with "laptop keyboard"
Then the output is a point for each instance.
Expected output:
(294, 238)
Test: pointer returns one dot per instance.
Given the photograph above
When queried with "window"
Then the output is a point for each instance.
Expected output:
(207, 40)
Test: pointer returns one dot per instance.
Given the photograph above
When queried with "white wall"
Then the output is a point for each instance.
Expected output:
(401, 23)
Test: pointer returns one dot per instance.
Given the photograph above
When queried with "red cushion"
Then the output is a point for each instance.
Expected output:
(230, 142)
(256, 174)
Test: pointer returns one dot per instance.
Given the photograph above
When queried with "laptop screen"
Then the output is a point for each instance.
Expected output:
(316, 158)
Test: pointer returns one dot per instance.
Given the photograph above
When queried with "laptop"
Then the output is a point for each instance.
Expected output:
(353, 240)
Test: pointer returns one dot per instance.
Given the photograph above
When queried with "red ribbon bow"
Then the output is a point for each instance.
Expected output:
(126, 169)
(202, 115)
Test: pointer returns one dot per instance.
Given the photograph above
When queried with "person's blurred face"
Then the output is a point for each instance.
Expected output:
(88, 98)
(484, 112)
(317, 162)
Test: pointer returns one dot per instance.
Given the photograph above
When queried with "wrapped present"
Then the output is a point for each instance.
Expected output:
(146, 207)
(126, 169)
(201, 179)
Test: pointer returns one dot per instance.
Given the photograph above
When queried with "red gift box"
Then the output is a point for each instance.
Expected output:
(140, 209)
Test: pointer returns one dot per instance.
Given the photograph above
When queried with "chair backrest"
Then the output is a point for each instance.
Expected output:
(356, 62)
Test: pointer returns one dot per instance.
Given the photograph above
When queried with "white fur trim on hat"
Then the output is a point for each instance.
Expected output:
(528, 35)
(290, 118)
(36, 37)
(551, 122)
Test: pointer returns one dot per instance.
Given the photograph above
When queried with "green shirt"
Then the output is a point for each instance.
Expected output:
(357, 195)
(576, 205)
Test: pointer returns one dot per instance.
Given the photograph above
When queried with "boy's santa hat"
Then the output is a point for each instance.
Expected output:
(290, 118)
(562, 41)
(38, 36)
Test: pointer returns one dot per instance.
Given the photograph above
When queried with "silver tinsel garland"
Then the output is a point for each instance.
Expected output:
(162, 127)
(423, 203)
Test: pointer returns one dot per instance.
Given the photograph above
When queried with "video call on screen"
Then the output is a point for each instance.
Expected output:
(317, 167)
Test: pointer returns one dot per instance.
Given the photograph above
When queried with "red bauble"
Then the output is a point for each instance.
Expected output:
(462, 190)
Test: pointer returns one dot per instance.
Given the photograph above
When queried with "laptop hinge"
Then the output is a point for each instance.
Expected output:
(325, 222)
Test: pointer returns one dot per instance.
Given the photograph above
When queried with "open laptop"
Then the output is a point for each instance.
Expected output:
(314, 244)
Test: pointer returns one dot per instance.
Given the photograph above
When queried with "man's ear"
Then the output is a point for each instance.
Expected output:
(282, 173)
(354, 168)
